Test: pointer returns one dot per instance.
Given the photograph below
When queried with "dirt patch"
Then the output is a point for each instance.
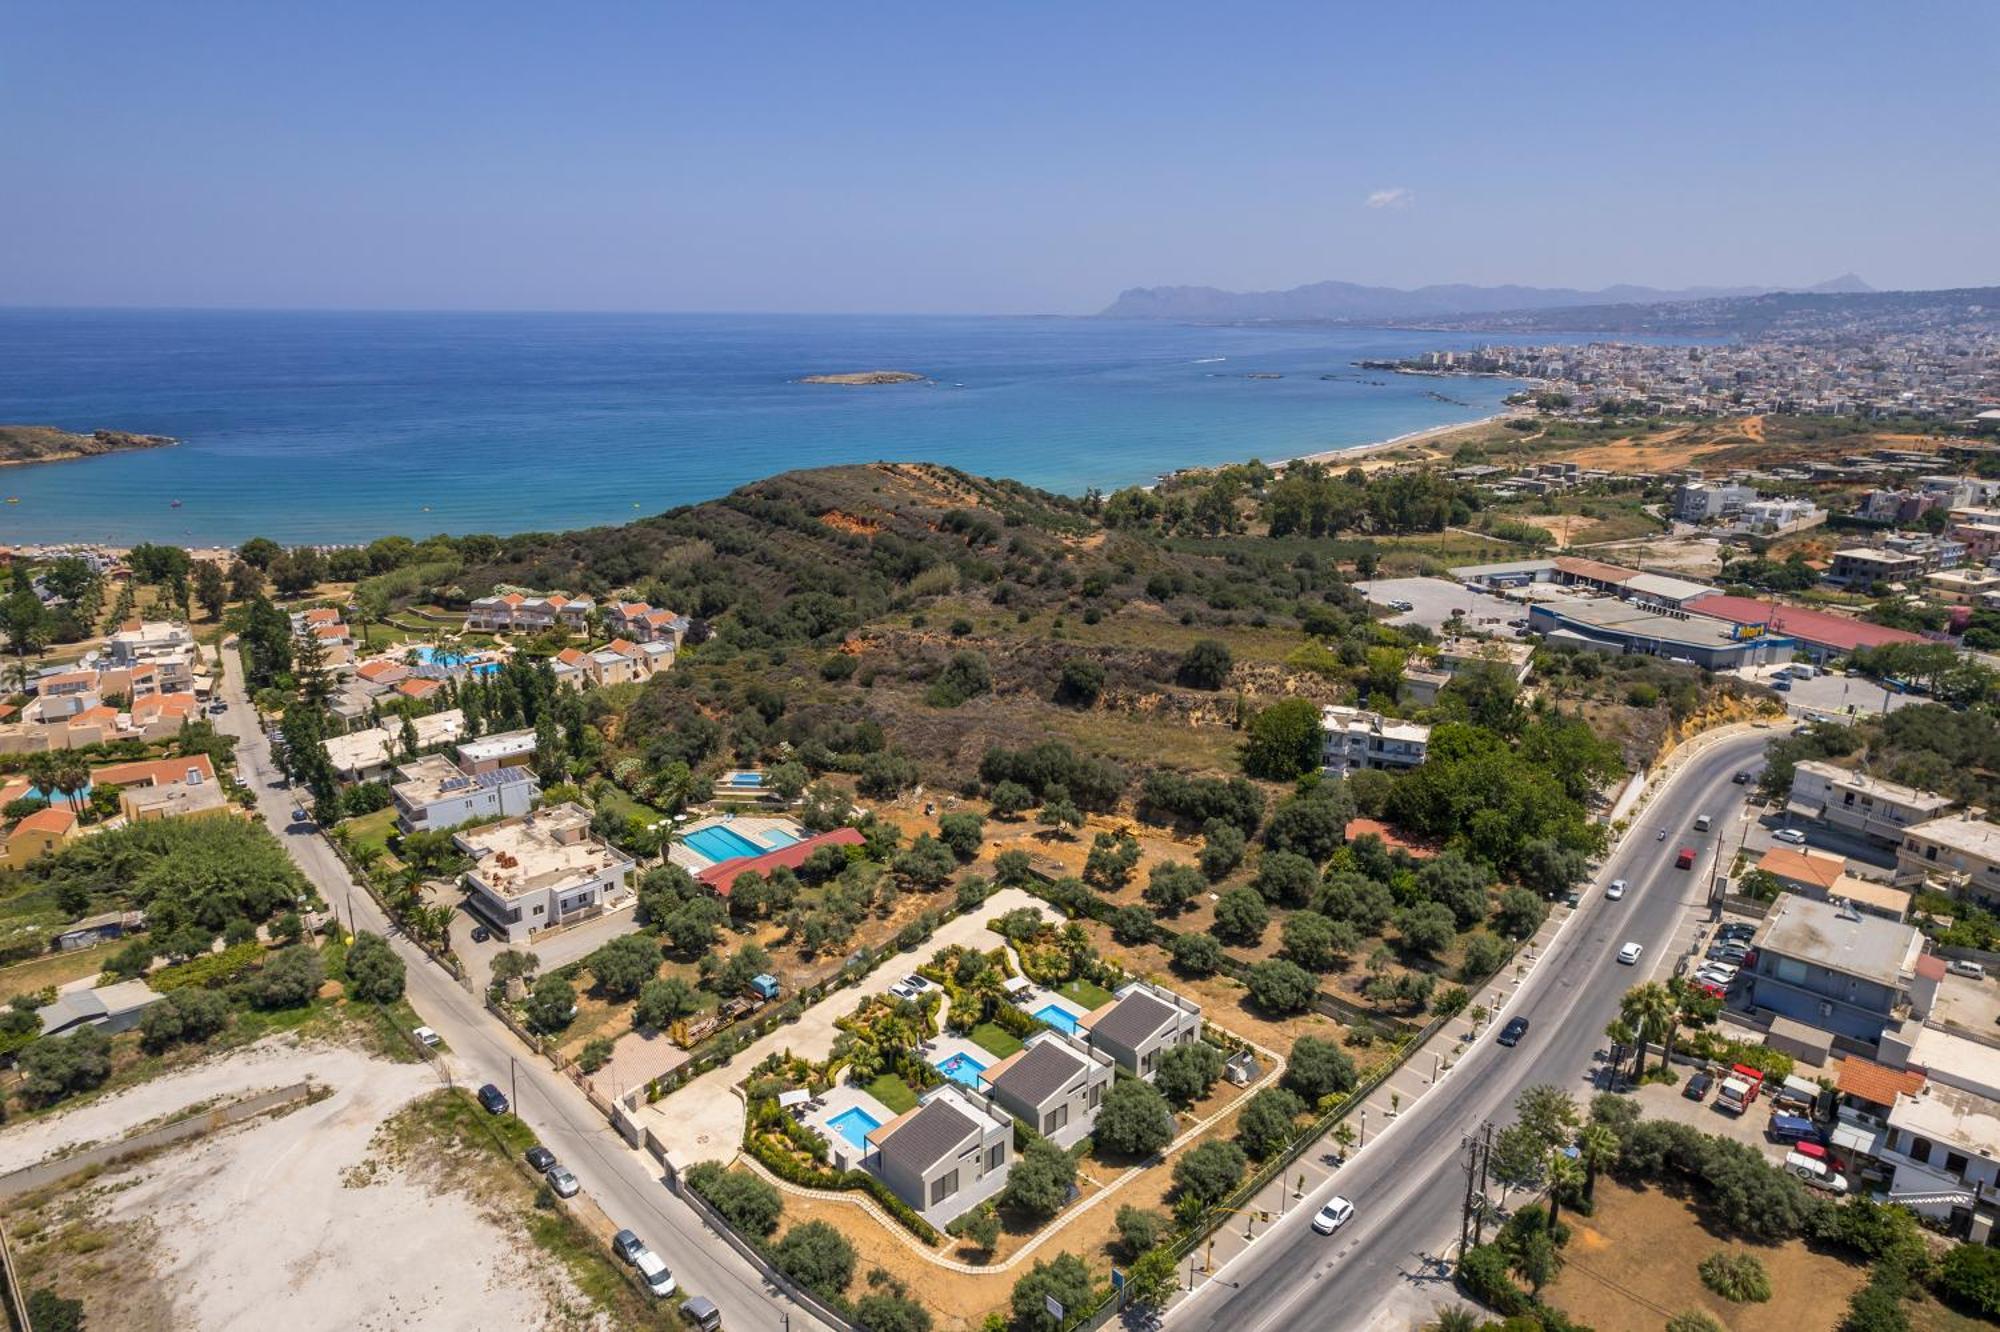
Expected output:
(847, 522)
(1633, 1264)
(272, 1215)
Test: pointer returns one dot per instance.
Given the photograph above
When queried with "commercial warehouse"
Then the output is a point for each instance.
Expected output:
(1607, 625)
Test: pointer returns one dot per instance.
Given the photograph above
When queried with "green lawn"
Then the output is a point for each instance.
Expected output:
(1083, 992)
(989, 1037)
(372, 829)
(624, 806)
(893, 1092)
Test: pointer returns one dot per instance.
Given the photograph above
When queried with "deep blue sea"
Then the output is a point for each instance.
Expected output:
(327, 427)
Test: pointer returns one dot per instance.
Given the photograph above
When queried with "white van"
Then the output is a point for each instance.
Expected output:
(658, 1279)
(1815, 1172)
(1701, 823)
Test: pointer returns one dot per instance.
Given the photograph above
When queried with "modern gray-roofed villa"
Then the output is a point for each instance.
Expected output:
(946, 1156)
(1055, 1083)
(1140, 1023)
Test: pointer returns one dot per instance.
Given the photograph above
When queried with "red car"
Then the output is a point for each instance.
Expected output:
(1685, 860)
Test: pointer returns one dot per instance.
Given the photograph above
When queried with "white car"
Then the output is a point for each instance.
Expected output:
(426, 1036)
(1616, 890)
(1629, 954)
(1790, 836)
(563, 1182)
(1337, 1213)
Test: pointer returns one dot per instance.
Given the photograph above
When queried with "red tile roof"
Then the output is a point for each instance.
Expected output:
(418, 688)
(1931, 967)
(1595, 570)
(1875, 1083)
(55, 819)
(152, 772)
(719, 877)
(1820, 628)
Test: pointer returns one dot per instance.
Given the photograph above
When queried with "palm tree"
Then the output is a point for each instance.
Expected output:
(72, 776)
(1649, 1009)
(1619, 1032)
(41, 770)
(1458, 1318)
(1343, 1136)
(1598, 1147)
(1565, 1177)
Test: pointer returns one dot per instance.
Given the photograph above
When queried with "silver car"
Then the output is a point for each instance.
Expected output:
(563, 1182)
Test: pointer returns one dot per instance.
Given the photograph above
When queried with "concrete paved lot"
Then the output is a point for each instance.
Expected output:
(1436, 598)
(1833, 695)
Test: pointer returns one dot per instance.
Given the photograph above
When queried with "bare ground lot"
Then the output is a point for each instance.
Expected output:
(313, 1216)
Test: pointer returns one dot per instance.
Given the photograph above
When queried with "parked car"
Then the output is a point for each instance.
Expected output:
(1698, 1086)
(658, 1279)
(1789, 836)
(493, 1099)
(1629, 954)
(700, 1313)
(1512, 1033)
(480, 934)
(901, 989)
(1572, 898)
(1782, 685)
(298, 814)
(627, 1245)
(1616, 890)
(1337, 1213)
(1815, 1172)
(541, 1158)
(426, 1037)
(563, 1182)
(1735, 929)
(1961, 967)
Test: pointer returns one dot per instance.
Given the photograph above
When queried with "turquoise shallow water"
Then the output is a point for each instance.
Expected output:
(341, 427)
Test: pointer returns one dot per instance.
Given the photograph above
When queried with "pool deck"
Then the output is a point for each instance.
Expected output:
(1035, 1000)
(839, 1099)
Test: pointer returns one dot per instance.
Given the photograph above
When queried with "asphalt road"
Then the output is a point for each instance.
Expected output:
(1408, 1183)
(625, 1182)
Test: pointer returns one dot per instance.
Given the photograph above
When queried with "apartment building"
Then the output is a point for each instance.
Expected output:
(502, 749)
(529, 612)
(1864, 566)
(1960, 854)
(1355, 738)
(1833, 968)
(646, 624)
(432, 793)
(1857, 803)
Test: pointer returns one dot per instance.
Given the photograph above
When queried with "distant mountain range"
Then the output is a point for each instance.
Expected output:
(1354, 302)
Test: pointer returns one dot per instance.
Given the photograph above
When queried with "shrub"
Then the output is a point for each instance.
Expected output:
(1209, 1170)
(980, 1226)
(1969, 1276)
(1318, 1069)
(1240, 916)
(965, 676)
(1205, 665)
(374, 972)
(1041, 1180)
(1082, 680)
(1693, 1320)
(624, 964)
(1185, 1073)
(1063, 1278)
(1134, 1119)
(56, 1066)
(1268, 1122)
(1484, 955)
(1319, 944)
(1736, 1276)
(1139, 1230)
(50, 1312)
(288, 978)
(1197, 954)
(1281, 987)
(744, 1200)
(664, 1000)
(1285, 879)
(815, 1254)
(962, 832)
(186, 1015)
(887, 1307)
(1171, 886)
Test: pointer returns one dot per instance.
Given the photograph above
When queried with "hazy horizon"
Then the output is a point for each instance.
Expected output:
(1038, 160)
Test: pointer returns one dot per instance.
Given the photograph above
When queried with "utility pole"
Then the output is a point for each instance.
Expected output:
(1471, 1145)
(513, 1085)
(1485, 1155)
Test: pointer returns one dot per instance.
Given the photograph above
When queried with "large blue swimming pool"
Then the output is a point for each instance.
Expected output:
(720, 843)
(1058, 1017)
(855, 1124)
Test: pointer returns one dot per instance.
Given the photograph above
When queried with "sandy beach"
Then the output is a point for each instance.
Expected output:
(1435, 435)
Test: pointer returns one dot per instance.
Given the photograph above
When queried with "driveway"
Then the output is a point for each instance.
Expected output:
(1436, 598)
(703, 1121)
(626, 1183)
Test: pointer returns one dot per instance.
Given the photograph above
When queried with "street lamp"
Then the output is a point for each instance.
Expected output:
(1364, 1127)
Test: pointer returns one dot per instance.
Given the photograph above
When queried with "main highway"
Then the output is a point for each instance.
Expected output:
(1382, 1270)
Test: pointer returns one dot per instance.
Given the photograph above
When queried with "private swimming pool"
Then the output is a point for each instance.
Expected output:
(431, 656)
(854, 1124)
(1055, 1015)
(719, 843)
(962, 1068)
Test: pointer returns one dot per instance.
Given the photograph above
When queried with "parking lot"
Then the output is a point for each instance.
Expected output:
(1832, 695)
(1435, 600)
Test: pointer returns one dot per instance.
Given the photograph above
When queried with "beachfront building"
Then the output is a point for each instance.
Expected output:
(1054, 1084)
(432, 793)
(1142, 1022)
(946, 1156)
(1353, 738)
(541, 870)
(528, 612)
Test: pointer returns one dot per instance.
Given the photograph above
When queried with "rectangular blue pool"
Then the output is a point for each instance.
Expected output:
(719, 843)
(855, 1124)
(962, 1068)
(1055, 1015)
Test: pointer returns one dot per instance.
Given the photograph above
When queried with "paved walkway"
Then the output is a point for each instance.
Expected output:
(703, 1120)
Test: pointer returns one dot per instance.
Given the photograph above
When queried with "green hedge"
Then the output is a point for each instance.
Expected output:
(787, 1168)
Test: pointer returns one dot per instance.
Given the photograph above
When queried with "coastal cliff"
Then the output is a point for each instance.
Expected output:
(24, 444)
(866, 378)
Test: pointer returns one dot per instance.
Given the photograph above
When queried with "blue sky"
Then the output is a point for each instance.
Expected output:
(979, 158)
